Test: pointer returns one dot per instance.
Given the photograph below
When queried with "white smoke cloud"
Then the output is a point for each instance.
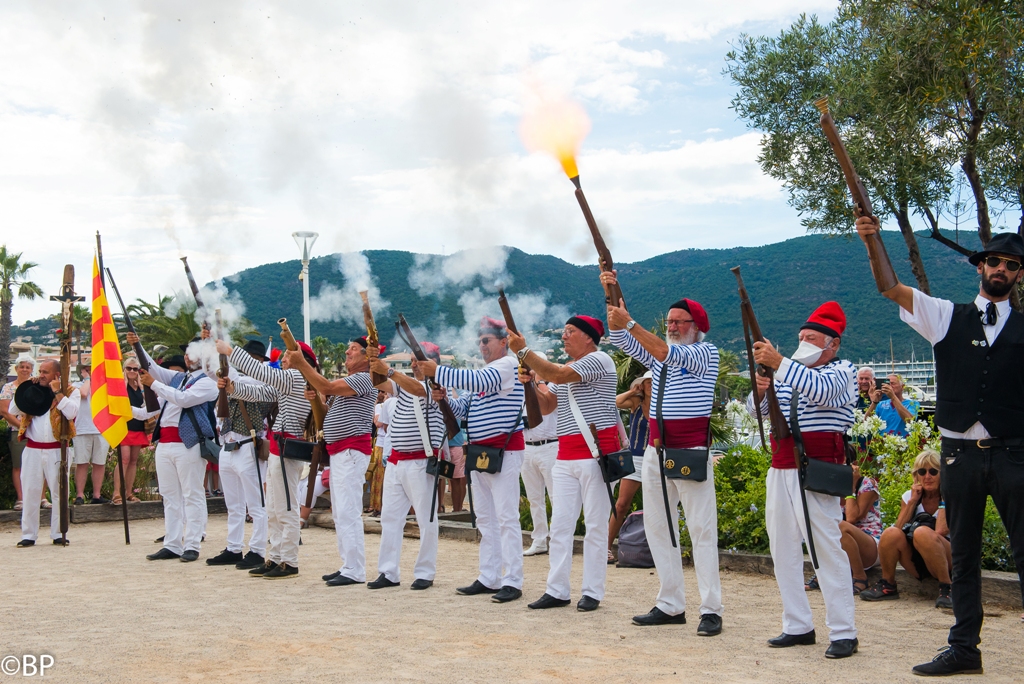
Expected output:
(432, 274)
(215, 296)
(344, 303)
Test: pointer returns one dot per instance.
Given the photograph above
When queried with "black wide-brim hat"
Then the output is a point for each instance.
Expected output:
(34, 398)
(257, 349)
(1009, 244)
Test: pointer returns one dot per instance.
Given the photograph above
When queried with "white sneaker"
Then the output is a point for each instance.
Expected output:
(538, 547)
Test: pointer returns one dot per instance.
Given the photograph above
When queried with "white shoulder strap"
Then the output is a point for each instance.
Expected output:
(421, 422)
(581, 422)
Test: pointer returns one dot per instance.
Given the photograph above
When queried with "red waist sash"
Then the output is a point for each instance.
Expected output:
(169, 433)
(33, 444)
(574, 447)
(360, 443)
(406, 456)
(516, 443)
(272, 437)
(681, 433)
(823, 446)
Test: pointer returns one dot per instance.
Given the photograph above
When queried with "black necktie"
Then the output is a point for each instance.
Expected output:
(990, 314)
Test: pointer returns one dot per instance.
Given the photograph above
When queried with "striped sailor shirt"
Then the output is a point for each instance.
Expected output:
(403, 430)
(292, 406)
(492, 401)
(351, 416)
(595, 394)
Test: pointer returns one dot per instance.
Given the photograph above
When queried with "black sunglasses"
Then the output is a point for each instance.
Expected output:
(132, 368)
(927, 471)
(1011, 265)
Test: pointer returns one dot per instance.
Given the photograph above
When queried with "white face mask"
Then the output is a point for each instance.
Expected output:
(807, 353)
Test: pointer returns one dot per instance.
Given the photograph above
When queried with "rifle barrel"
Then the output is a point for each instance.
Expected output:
(152, 401)
(534, 417)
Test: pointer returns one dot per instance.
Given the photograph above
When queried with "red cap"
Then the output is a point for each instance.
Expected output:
(589, 325)
(828, 319)
(431, 349)
(308, 352)
(493, 326)
(700, 316)
(275, 354)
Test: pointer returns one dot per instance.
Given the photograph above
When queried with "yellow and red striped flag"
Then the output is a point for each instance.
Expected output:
(110, 406)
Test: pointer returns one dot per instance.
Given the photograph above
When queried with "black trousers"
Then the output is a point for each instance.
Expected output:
(970, 474)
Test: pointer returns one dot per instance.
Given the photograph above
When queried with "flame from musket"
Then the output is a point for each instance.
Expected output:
(556, 126)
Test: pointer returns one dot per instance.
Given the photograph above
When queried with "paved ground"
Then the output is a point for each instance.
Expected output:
(107, 615)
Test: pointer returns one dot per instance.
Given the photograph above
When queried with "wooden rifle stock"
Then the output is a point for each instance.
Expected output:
(223, 410)
(195, 290)
(881, 266)
(152, 401)
(780, 429)
(372, 338)
(534, 417)
(319, 411)
(612, 293)
(67, 299)
(451, 422)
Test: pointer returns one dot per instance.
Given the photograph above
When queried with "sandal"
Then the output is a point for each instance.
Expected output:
(812, 584)
(859, 585)
(134, 499)
(611, 557)
(116, 501)
(18, 505)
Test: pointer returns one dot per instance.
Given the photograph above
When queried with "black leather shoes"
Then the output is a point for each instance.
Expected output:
(163, 554)
(189, 556)
(710, 625)
(548, 601)
(340, 580)
(62, 542)
(262, 570)
(841, 648)
(786, 640)
(420, 584)
(225, 557)
(949, 662)
(251, 561)
(381, 582)
(659, 617)
(328, 578)
(281, 571)
(25, 543)
(476, 588)
(587, 604)
(158, 540)
(506, 594)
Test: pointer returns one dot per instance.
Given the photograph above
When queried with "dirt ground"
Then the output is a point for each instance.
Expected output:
(107, 615)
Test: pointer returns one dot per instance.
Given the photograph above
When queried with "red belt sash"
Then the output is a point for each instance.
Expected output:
(33, 444)
(406, 456)
(361, 443)
(169, 433)
(272, 438)
(823, 446)
(681, 433)
(516, 443)
(574, 447)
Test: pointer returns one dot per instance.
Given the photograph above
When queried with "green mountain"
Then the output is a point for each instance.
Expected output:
(786, 281)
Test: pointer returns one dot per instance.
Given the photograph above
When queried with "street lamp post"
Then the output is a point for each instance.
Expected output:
(305, 239)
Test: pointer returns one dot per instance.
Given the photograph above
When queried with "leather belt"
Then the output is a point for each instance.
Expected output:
(235, 446)
(543, 441)
(990, 443)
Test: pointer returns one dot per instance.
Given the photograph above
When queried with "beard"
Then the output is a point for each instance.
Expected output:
(995, 288)
(676, 338)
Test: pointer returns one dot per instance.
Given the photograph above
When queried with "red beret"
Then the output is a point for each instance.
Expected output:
(431, 349)
(828, 319)
(589, 325)
(275, 354)
(493, 326)
(700, 316)
(307, 351)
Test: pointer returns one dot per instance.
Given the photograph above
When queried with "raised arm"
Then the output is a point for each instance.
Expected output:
(545, 370)
(631, 345)
(829, 385)
(203, 390)
(287, 382)
(245, 388)
(699, 358)
(901, 294)
(488, 379)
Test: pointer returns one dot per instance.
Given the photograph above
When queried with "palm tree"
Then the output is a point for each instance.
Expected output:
(13, 275)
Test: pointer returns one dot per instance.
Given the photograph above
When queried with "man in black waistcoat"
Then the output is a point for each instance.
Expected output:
(980, 413)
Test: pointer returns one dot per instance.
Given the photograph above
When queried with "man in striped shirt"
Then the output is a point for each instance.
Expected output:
(828, 393)
(347, 431)
(293, 412)
(417, 433)
(491, 407)
(685, 371)
(583, 393)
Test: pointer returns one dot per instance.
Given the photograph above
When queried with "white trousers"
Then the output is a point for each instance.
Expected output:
(496, 502)
(242, 486)
(784, 515)
(347, 477)
(318, 488)
(701, 514)
(578, 484)
(37, 465)
(283, 524)
(406, 483)
(537, 464)
(180, 472)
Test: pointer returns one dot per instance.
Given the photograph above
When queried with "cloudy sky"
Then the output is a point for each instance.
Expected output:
(216, 129)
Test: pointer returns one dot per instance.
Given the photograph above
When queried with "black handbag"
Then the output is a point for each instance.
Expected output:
(447, 467)
(679, 464)
(823, 477)
(488, 459)
(297, 449)
(616, 465)
(209, 449)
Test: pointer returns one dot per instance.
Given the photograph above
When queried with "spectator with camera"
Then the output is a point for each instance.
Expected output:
(887, 403)
(920, 538)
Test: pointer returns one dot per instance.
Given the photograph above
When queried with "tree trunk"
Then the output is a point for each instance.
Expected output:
(5, 335)
(913, 252)
(969, 164)
(939, 237)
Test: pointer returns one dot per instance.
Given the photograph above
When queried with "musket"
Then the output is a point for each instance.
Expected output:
(881, 267)
(152, 401)
(117, 449)
(223, 410)
(372, 338)
(780, 430)
(612, 292)
(451, 423)
(195, 290)
(534, 417)
(319, 411)
(67, 299)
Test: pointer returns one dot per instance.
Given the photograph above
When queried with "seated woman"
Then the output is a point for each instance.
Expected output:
(920, 538)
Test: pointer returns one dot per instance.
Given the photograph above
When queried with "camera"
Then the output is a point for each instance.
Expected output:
(881, 382)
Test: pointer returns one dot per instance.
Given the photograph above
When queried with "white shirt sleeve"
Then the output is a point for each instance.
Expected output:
(931, 317)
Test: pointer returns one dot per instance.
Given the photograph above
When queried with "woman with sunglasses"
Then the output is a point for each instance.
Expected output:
(136, 439)
(920, 538)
